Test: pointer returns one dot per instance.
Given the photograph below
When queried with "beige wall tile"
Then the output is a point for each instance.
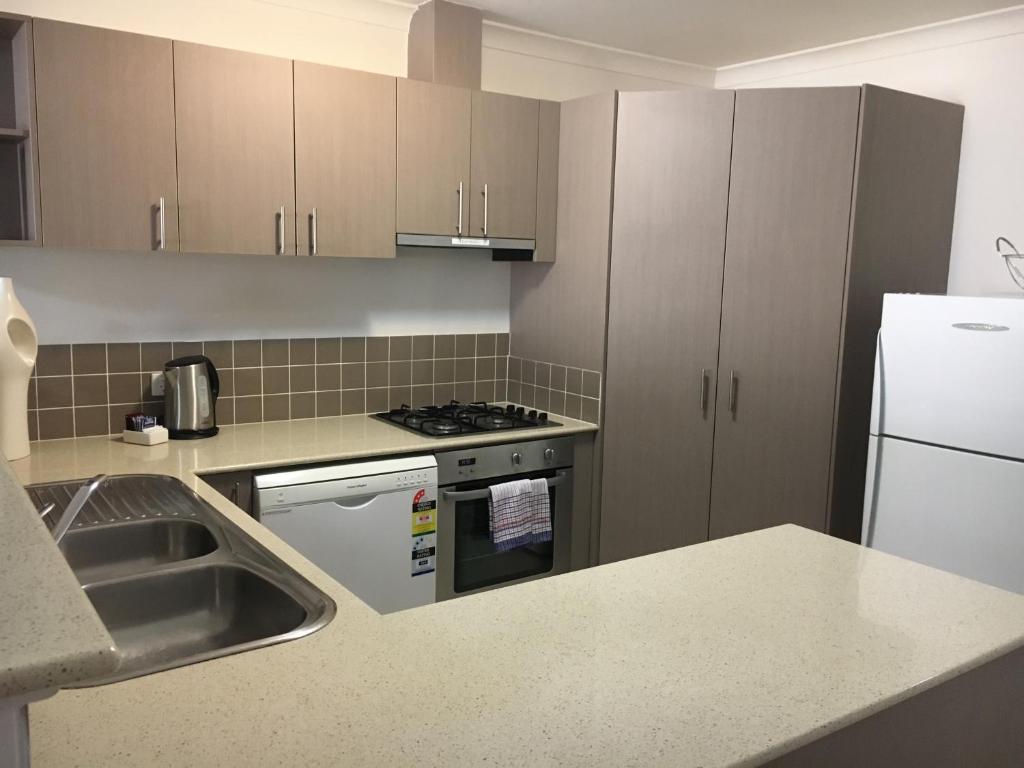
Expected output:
(302, 378)
(155, 355)
(54, 391)
(276, 407)
(56, 423)
(275, 352)
(90, 390)
(353, 350)
(353, 401)
(248, 409)
(303, 405)
(248, 354)
(92, 421)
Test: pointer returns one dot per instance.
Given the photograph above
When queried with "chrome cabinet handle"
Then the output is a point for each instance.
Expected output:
(484, 493)
(313, 234)
(280, 231)
(459, 226)
(734, 383)
(704, 391)
(161, 243)
(485, 209)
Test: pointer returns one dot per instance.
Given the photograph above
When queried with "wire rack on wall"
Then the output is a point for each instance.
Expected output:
(1014, 259)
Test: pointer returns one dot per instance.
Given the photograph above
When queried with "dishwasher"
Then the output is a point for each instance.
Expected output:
(370, 525)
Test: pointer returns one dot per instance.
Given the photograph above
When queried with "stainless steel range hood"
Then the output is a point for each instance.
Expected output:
(501, 248)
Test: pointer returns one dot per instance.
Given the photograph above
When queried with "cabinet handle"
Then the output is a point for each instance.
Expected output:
(161, 223)
(485, 209)
(459, 227)
(234, 493)
(313, 234)
(734, 383)
(704, 391)
(280, 232)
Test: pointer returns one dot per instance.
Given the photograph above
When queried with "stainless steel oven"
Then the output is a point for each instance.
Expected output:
(467, 561)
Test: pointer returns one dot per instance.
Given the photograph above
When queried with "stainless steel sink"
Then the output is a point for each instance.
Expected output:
(117, 549)
(174, 581)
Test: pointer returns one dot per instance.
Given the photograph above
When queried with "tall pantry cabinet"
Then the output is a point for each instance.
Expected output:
(739, 396)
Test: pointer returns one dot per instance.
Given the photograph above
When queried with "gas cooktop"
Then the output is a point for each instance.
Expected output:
(460, 419)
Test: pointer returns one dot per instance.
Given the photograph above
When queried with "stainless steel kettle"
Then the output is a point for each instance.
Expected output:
(190, 397)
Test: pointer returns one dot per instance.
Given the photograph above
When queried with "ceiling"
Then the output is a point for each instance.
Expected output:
(716, 33)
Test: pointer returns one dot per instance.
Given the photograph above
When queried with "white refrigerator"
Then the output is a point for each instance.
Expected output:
(945, 479)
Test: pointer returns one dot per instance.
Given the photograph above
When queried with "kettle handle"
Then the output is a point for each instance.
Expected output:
(214, 378)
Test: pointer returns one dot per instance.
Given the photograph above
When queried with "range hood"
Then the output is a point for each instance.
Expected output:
(501, 248)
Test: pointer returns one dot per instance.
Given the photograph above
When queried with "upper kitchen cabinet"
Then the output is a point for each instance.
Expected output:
(549, 115)
(236, 151)
(504, 166)
(345, 170)
(19, 192)
(106, 138)
(433, 159)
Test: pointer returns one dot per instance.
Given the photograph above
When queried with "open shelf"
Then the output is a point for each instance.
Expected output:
(19, 197)
(13, 135)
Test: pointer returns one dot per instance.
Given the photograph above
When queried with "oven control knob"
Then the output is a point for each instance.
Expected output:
(549, 455)
(532, 414)
(517, 458)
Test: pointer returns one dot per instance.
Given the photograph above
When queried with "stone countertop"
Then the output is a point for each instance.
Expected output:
(49, 633)
(720, 654)
(249, 446)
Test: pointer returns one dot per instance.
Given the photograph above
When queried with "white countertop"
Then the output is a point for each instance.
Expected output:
(720, 654)
(49, 633)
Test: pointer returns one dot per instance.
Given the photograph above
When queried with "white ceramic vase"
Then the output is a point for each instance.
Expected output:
(18, 347)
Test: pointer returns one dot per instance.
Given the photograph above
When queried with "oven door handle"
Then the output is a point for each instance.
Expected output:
(484, 493)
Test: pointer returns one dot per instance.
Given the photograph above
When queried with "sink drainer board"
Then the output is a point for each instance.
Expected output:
(174, 581)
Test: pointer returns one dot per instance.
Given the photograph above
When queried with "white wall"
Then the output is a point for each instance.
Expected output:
(978, 62)
(90, 296)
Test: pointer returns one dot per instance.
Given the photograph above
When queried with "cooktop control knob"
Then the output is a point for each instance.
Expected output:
(517, 458)
(542, 417)
(510, 408)
(520, 412)
(532, 414)
(549, 455)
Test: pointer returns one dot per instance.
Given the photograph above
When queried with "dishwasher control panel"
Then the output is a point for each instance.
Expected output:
(412, 479)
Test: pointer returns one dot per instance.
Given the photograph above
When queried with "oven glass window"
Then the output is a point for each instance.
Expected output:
(478, 564)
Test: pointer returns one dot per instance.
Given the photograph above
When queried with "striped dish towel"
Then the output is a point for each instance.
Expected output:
(520, 514)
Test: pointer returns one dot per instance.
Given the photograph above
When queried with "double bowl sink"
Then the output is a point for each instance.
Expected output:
(174, 581)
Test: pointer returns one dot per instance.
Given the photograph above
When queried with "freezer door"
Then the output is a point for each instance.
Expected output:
(952, 510)
(950, 371)
(366, 543)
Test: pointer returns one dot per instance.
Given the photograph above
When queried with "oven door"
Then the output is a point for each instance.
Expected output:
(467, 561)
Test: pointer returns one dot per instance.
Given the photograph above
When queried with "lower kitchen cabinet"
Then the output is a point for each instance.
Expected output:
(836, 196)
(236, 151)
(665, 291)
(236, 487)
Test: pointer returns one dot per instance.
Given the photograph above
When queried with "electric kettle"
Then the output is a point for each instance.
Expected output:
(190, 397)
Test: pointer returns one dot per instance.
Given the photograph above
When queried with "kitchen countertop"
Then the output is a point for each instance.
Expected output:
(49, 633)
(720, 654)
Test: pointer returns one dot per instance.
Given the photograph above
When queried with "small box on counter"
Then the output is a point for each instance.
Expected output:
(143, 430)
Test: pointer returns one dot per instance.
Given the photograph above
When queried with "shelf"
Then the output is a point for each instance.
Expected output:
(13, 135)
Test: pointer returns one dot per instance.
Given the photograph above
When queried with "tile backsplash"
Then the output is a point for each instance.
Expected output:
(557, 389)
(80, 390)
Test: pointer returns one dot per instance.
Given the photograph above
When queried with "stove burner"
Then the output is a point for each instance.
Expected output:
(459, 418)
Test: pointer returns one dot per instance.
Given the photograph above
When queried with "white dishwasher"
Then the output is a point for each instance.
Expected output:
(371, 525)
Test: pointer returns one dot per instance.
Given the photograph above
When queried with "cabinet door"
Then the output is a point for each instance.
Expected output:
(433, 158)
(668, 249)
(504, 166)
(344, 162)
(236, 151)
(105, 103)
(785, 268)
